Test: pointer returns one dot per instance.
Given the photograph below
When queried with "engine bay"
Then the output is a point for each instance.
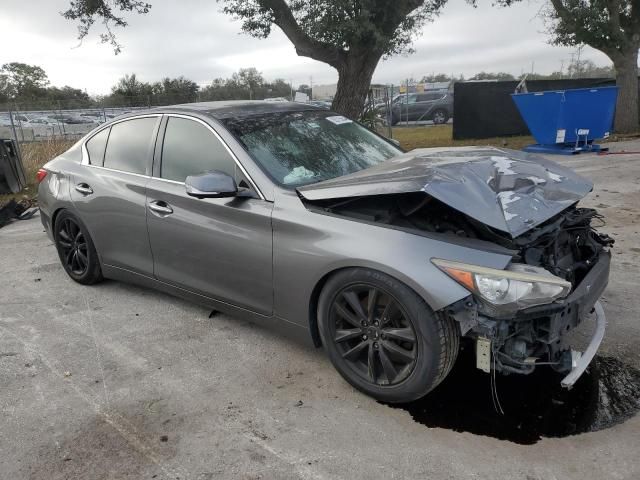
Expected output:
(567, 245)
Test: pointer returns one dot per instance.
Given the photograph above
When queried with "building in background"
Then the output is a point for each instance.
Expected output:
(324, 92)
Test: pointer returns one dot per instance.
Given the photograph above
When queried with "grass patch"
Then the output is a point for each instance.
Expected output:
(441, 136)
(34, 156)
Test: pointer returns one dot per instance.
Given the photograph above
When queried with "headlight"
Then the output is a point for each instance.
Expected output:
(507, 291)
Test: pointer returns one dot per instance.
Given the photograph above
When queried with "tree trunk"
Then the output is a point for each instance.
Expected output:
(354, 80)
(626, 66)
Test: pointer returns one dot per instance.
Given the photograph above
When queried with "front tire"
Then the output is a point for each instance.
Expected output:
(76, 249)
(382, 337)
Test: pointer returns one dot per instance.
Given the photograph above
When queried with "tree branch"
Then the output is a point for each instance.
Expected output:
(564, 14)
(304, 44)
(617, 34)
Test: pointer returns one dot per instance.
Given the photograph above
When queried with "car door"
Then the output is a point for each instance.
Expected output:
(406, 103)
(109, 191)
(421, 108)
(217, 247)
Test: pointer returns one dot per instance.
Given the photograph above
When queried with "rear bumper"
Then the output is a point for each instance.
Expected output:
(46, 223)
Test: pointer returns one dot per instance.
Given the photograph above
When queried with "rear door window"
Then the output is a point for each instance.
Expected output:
(130, 145)
(191, 148)
(96, 146)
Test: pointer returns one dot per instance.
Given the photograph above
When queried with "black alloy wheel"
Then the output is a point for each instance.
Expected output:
(76, 249)
(440, 117)
(382, 337)
(373, 335)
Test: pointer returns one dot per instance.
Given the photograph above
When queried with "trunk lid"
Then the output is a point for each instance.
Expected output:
(509, 190)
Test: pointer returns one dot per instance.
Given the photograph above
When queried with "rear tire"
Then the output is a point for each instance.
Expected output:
(76, 249)
(440, 117)
(392, 353)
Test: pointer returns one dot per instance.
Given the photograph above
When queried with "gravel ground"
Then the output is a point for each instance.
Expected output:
(118, 382)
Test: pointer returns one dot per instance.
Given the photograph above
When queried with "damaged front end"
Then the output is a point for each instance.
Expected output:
(519, 317)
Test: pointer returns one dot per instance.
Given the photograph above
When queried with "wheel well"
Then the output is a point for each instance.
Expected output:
(54, 216)
(315, 296)
(313, 306)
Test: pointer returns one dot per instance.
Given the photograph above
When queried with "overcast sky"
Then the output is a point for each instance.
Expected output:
(193, 38)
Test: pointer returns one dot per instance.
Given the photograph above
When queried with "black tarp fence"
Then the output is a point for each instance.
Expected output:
(486, 110)
(12, 178)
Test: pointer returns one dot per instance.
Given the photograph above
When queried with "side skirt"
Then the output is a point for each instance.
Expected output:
(280, 325)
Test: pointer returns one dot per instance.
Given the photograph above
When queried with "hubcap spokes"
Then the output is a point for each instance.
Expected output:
(73, 246)
(373, 334)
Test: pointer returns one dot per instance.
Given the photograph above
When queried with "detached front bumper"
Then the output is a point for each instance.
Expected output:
(583, 360)
(540, 335)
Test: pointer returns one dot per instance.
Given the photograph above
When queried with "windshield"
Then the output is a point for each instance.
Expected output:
(307, 147)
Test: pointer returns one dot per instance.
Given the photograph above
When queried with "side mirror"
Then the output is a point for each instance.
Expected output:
(212, 184)
(394, 141)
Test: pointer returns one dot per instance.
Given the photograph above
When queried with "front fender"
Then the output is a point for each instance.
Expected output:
(310, 245)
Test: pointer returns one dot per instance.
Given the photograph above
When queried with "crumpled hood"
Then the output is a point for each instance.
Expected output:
(509, 190)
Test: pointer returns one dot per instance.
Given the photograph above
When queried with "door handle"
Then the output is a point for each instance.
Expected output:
(84, 189)
(160, 207)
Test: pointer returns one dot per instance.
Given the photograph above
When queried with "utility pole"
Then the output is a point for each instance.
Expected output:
(407, 104)
(310, 87)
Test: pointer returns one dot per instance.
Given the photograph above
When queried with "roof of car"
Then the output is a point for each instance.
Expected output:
(240, 108)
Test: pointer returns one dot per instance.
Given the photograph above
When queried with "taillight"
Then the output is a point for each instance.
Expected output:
(40, 174)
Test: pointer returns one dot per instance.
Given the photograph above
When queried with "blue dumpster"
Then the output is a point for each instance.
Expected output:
(568, 121)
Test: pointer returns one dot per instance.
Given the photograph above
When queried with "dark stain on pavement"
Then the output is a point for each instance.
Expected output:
(534, 405)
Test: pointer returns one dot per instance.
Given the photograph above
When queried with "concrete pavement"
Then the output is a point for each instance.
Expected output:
(117, 382)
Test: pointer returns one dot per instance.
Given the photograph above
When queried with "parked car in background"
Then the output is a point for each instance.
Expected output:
(21, 118)
(42, 121)
(290, 214)
(5, 121)
(436, 106)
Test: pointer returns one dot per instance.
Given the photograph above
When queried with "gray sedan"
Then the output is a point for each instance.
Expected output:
(294, 215)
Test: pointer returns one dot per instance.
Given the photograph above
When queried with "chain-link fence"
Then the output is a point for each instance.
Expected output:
(72, 118)
(29, 121)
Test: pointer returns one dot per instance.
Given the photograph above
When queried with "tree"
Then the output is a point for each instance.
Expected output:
(492, 76)
(279, 88)
(304, 88)
(247, 83)
(436, 78)
(611, 26)
(19, 80)
(588, 69)
(85, 12)
(350, 35)
(69, 96)
(130, 91)
(175, 90)
(249, 79)
(4, 88)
